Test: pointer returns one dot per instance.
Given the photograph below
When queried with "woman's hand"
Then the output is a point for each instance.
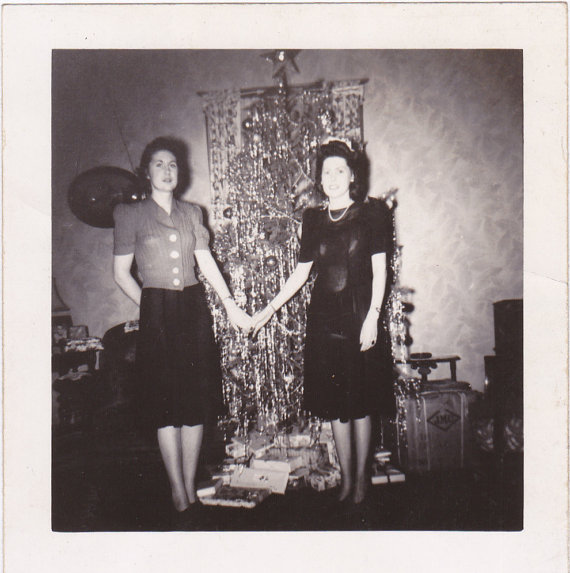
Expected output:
(237, 316)
(369, 331)
(261, 318)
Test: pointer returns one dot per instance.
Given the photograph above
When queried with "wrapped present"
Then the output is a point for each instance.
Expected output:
(229, 465)
(258, 444)
(228, 496)
(327, 440)
(386, 473)
(237, 448)
(323, 478)
(294, 440)
(281, 455)
(222, 475)
(298, 478)
(382, 455)
(253, 478)
(273, 465)
(394, 474)
(209, 487)
(379, 476)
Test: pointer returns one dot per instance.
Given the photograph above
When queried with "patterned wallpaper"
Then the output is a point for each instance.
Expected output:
(444, 127)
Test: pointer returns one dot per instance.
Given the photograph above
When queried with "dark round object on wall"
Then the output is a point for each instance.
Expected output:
(94, 194)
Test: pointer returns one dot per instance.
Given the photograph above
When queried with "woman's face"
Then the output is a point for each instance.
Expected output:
(163, 171)
(336, 177)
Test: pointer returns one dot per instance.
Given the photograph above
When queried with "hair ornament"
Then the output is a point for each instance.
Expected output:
(331, 138)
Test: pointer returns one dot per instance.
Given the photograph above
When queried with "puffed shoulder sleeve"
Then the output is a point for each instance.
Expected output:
(125, 231)
(307, 252)
(200, 232)
(380, 225)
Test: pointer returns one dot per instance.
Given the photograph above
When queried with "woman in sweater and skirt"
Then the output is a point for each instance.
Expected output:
(347, 372)
(178, 370)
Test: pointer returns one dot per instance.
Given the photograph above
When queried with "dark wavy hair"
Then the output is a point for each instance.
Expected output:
(356, 161)
(180, 151)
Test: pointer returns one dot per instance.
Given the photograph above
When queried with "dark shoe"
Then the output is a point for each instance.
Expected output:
(187, 519)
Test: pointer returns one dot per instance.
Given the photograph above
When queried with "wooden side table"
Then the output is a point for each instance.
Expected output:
(424, 363)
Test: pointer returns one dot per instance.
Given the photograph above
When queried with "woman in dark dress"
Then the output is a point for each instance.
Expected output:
(347, 377)
(178, 371)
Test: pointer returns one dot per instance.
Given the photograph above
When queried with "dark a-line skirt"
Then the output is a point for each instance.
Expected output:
(177, 360)
(340, 381)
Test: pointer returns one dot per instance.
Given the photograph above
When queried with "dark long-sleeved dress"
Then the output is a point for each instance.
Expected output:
(340, 381)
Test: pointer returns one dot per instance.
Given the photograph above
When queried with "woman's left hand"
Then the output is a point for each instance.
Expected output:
(369, 332)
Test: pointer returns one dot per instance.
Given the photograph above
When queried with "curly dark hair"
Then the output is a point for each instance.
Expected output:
(180, 151)
(356, 161)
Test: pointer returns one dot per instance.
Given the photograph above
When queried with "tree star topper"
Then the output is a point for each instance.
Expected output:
(281, 60)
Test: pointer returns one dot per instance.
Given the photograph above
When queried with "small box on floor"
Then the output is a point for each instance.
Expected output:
(209, 487)
(229, 496)
(386, 473)
(323, 478)
(283, 461)
(253, 478)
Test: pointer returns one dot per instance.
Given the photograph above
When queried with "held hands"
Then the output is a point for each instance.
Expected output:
(260, 319)
(237, 316)
(369, 331)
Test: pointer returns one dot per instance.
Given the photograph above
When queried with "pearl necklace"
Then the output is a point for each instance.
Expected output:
(344, 211)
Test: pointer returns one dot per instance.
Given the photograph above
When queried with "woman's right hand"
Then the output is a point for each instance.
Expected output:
(238, 317)
(260, 319)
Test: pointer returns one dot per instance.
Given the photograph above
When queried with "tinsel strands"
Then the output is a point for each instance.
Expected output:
(260, 167)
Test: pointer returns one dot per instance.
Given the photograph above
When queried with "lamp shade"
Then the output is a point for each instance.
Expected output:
(57, 305)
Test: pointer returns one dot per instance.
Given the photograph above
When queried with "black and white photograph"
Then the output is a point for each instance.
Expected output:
(349, 223)
(291, 289)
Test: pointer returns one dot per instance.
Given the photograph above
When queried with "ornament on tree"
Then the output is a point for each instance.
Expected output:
(247, 124)
(326, 119)
(228, 212)
(270, 262)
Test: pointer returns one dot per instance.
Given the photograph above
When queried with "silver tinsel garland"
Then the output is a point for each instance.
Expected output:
(261, 154)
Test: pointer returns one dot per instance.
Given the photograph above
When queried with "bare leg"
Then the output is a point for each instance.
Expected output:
(170, 446)
(342, 433)
(362, 431)
(191, 443)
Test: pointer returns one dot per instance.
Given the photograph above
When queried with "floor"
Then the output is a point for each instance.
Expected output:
(111, 480)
